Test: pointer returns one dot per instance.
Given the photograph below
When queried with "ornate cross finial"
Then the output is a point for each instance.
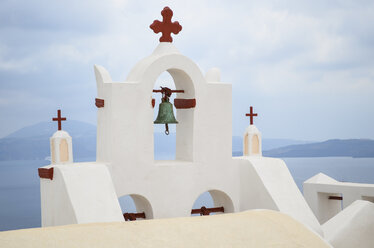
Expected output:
(59, 119)
(251, 114)
(166, 27)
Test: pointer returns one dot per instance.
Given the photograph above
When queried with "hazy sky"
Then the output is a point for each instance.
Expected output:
(307, 67)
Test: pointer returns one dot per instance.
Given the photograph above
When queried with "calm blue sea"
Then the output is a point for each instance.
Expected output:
(20, 195)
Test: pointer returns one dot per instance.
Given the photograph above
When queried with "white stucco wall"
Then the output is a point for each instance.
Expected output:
(352, 227)
(203, 142)
(266, 183)
(318, 188)
(79, 193)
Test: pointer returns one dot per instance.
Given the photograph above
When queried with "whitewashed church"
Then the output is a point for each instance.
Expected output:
(256, 201)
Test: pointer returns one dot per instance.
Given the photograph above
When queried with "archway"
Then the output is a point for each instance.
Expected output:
(187, 76)
(164, 145)
(135, 207)
(212, 202)
(178, 80)
(255, 145)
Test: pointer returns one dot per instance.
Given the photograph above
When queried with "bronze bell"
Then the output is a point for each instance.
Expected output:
(165, 110)
(165, 114)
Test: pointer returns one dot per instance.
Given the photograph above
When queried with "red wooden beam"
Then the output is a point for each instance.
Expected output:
(46, 173)
(333, 197)
(99, 102)
(184, 103)
(133, 216)
(206, 211)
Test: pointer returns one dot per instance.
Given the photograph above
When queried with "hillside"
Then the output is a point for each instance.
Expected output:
(267, 144)
(32, 142)
(330, 148)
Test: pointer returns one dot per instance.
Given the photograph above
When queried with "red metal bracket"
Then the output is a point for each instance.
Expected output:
(99, 102)
(46, 173)
(153, 102)
(184, 103)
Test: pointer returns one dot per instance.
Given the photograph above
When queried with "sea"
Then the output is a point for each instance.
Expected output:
(20, 189)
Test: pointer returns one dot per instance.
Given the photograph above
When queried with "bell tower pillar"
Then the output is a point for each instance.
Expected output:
(252, 141)
(61, 144)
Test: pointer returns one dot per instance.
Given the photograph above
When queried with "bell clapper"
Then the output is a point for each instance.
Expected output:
(166, 129)
(165, 112)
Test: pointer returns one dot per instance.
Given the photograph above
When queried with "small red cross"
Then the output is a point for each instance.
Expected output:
(59, 119)
(166, 27)
(251, 114)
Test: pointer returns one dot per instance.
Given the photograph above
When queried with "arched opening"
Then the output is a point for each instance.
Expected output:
(64, 151)
(255, 145)
(135, 207)
(164, 145)
(178, 144)
(212, 202)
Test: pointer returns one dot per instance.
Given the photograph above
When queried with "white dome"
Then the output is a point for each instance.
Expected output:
(252, 129)
(61, 134)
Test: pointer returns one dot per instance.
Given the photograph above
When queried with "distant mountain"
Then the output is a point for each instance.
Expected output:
(330, 148)
(46, 129)
(267, 144)
(32, 142)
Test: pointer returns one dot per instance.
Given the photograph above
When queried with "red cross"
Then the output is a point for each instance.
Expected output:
(166, 27)
(251, 114)
(59, 119)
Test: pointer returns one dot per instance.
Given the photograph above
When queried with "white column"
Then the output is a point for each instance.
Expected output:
(61, 148)
(252, 142)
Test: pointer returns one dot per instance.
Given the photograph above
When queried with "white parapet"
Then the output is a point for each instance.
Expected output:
(266, 183)
(78, 193)
(352, 227)
(327, 197)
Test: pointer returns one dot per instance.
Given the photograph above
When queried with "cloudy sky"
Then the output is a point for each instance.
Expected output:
(307, 67)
